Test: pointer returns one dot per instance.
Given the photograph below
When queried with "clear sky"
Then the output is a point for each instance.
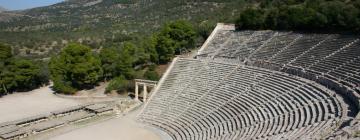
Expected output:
(26, 4)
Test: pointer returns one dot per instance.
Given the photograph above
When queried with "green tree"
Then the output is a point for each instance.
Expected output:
(173, 38)
(75, 68)
(20, 75)
(165, 48)
(310, 15)
(149, 45)
(109, 57)
(251, 19)
(117, 61)
(5, 52)
(126, 59)
(340, 15)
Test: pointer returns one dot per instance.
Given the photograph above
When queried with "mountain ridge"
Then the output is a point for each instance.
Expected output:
(3, 9)
(97, 20)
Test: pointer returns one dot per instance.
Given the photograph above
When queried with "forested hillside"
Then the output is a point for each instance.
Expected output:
(78, 66)
(42, 30)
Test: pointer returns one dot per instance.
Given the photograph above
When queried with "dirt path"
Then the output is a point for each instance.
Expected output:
(124, 128)
(98, 91)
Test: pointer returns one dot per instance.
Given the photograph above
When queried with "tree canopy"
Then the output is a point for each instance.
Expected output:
(18, 74)
(119, 60)
(76, 67)
(109, 58)
(174, 37)
(127, 59)
(79, 67)
(5, 52)
(308, 15)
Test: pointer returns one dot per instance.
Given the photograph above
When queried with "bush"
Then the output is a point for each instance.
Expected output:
(204, 29)
(151, 75)
(120, 84)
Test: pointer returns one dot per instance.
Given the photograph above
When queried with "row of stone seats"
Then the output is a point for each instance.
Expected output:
(343, 65)
(313, 131)
(298, 47)
(77, 116)
(58, 122)
(275, 45)
(217, 45)
(220, 38)
(65, 111)
(242, 50)
(210, 75)
(5, 130)
(320, 45)
(181, 76)
(45, 126)
(348, 73)
(98, 108)
(30, 120)
(214, 101)
(335, 56)
(14, 135)
(214, 70)
(236, 39)
(329, 46)
(249, 101)
(36, 124)
(236, 43)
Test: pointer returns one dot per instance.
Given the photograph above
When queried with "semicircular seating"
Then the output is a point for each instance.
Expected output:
(230, 91)
(227, 101)
(333, 56)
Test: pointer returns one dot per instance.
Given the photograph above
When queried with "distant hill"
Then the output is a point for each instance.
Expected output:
(40, 30)
(2, 9)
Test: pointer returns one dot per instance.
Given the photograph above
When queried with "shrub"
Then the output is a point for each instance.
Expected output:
(151, 75)
(120, 84)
